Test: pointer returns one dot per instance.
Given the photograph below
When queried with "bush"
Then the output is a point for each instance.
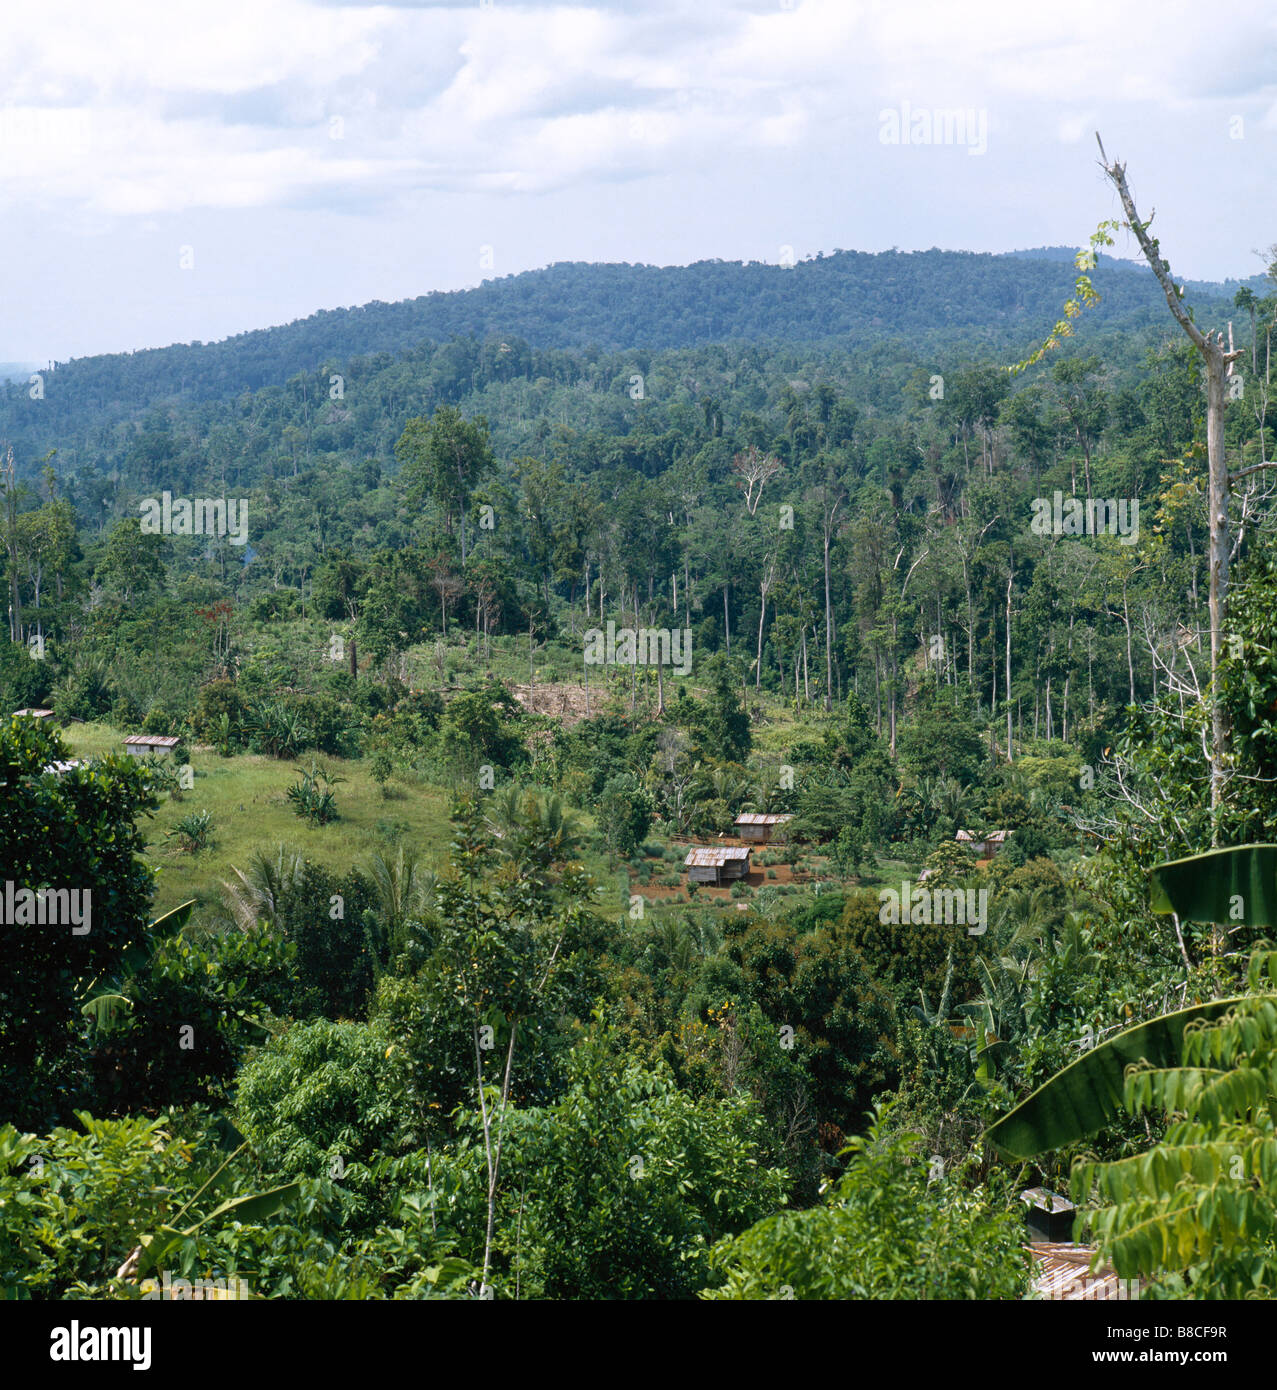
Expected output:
(312, 796)
(381, 767)
(620, 1188)
(85, 693)
(220, 713)
(193, 832)
(158, 721)
(125, 713)
(914, 1236)
(625, 814)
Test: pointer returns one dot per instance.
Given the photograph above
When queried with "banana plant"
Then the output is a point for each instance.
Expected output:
(105, 1009)
(155, 1247)
(1227, 885)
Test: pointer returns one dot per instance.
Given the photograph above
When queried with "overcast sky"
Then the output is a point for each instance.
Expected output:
(176, 171)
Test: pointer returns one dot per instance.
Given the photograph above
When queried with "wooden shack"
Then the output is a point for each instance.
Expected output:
(985, 847)
(718, 864)
(149, 745)
(759, 829)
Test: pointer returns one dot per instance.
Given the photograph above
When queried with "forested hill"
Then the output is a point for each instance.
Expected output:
(933, 298)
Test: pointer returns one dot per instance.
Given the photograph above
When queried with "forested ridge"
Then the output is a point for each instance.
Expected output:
(403, 929)
(933, 298)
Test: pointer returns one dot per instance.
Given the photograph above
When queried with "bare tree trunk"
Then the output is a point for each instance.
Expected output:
(1010, 580)
(1218, 363)
(829, 613)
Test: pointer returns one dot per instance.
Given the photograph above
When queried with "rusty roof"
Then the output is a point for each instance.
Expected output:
(714, 858)
(1064, 1273)
(152, 740)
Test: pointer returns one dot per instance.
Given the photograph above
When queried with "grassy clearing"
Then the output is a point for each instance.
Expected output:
(247, 797)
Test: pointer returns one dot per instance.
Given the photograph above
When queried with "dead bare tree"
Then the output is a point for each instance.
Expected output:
(753, 470)
(1219, 361)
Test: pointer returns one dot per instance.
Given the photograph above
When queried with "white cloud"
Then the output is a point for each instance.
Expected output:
(226, 103)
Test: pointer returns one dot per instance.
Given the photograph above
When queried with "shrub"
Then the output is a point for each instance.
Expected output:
(219, 714)
(914, 1235)
(158, 721)
(193, 832)
(380, 768)
(125, 712)
(312, 796)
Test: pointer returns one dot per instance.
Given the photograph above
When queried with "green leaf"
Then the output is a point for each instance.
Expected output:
(256, 1206)
(1087, 1094)
(1225, 885)
(105, 1010)
(159, 930)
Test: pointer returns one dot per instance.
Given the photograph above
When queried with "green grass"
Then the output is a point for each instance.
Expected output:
(92, 740)
(247, 798)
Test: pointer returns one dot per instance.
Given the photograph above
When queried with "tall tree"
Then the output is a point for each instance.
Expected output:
(1218, 361)
(444, 458)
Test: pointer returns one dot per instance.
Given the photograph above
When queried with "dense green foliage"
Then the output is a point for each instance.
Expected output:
(508, 1049)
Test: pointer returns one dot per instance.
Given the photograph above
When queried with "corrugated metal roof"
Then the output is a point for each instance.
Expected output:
(707, 858)
(1064, 1273)
(753, 818)
(151, 740)
(32, 713)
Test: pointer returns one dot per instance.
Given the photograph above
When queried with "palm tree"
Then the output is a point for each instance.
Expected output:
(406, 902)
(257, 896)
(536, 832)
(403, 887)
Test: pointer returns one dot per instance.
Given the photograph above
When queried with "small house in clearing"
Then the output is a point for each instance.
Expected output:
(759, 829)
(985, 847)
(33, 714)
(149, 745)
(718, 864)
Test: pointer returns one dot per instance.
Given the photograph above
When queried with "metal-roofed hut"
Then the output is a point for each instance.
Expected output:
(986, 846)
(717, 864)
(149, 745)
(757, 828)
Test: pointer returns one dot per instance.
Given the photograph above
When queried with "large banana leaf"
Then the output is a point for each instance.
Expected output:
(252, 1208)
(1087, 1094)
(1225, 885)
(106, 1010)
(168, 925)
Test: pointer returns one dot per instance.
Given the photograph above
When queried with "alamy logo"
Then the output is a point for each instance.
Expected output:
(47, 907)
(646, 646)
(1096, 516)
(76, 1343)
(203, 1290)
(924, 126)
(951, 907)
(205, 516)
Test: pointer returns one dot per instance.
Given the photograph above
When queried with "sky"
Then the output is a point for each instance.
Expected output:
(178, 172)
